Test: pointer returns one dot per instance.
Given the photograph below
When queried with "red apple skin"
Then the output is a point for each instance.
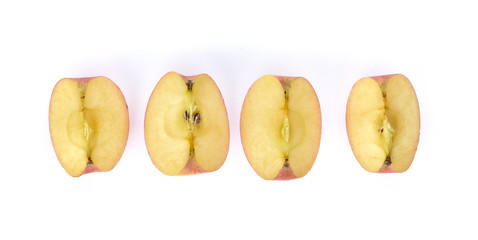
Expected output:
(387, 169)
(286, 172)
(191, 167)
(90, 168)
(382, 80)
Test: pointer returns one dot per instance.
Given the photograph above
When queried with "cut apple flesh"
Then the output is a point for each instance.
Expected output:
(88, 124)
(186, 125)
(281, 127)
(383, 123)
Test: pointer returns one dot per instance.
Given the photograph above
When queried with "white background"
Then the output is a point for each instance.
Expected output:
(331, 44)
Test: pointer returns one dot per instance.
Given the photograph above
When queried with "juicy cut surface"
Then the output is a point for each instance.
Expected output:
(280, 126)
(383, 123)
(186, 121)
(88, 124)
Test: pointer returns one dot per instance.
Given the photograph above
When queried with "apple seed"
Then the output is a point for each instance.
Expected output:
(197, 118)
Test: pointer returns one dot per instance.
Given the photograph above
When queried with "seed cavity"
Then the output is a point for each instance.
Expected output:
(87, 128)
(285, 129)
(192, 117)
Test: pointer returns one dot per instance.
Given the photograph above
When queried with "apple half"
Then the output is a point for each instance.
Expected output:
(281, 127)
(89, 124)
(383, 123)
(186, 127)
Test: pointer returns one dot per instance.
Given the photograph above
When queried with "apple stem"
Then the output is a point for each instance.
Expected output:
(388, 161)
(286, 163)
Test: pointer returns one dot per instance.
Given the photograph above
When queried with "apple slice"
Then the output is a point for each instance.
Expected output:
(281, 127)
(89, 124)
(186, 127)
(383, 123)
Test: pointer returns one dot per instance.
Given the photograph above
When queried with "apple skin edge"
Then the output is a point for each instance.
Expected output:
(387, 169)
(383, 79)
(285, 174)
(191, 168)
(90, 168)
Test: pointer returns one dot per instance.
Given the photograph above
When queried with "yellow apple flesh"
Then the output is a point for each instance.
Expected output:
(89, 124)
(186, 126)
(383, 123)
(281, 127)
